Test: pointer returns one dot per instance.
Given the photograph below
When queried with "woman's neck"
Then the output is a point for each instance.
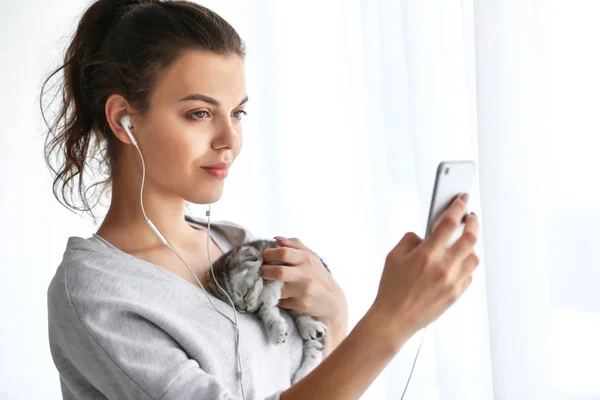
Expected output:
(126, 224)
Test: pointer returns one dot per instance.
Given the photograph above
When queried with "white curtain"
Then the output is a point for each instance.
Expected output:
(353, 105)
(538, 81)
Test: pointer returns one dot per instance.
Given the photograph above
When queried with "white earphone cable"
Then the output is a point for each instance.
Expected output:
(234, 322)
(414, 363)
(237, 332)
(416, 355)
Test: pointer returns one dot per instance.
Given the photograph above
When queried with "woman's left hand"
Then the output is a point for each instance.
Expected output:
(308, 287)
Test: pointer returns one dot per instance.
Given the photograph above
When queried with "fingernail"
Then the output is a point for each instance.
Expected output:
(279, 238)
(465, 197)
(473, 214)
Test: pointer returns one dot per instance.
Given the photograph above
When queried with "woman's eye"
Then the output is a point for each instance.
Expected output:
(199, 114)
(239, 113)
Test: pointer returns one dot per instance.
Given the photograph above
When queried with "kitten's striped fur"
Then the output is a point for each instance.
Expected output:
(238, 273)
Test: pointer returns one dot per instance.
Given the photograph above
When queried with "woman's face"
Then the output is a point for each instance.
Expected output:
(192, 124)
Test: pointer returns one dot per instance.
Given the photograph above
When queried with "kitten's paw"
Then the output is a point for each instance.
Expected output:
(305, 369)
(301, 373)
(311, 329)
(278, 331)
(311, 358)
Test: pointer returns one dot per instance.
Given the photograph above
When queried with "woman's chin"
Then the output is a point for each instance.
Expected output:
(207, 197)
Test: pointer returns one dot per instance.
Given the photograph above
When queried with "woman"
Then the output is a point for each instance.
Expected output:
(127, 319)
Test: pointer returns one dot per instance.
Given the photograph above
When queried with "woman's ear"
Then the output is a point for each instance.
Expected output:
(115, 109)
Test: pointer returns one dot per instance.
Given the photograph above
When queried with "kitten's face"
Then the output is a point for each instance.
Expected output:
(245, 282)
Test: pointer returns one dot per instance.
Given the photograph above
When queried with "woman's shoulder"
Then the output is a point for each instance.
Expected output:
(93, 267)
(91, 271)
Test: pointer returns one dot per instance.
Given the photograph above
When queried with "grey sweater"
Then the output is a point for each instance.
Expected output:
(124, 328)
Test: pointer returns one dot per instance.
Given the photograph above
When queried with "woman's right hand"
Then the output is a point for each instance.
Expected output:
(423, 278)
(420, 280)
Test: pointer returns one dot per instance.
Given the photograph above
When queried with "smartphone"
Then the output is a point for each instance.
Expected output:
(452, 178)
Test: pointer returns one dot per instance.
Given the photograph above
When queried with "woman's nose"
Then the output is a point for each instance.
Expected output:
(229, 136)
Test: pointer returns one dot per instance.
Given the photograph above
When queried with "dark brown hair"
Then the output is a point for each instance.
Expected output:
(119, 47)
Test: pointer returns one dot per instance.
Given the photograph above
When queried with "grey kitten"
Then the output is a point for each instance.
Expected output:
(238, 273)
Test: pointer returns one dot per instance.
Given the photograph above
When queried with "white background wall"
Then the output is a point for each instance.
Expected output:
(33, 226)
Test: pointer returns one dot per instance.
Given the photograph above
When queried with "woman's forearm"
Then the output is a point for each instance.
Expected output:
(354, 364)
(336, 332)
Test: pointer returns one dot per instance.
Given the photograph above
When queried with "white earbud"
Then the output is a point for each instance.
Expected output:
(126, 124)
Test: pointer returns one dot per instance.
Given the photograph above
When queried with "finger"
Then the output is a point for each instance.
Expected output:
(292, 304)
(449, 221)
(293, 243)
(284, 255)
(469, 265)
(408, 242)
(464, 245)
(465, 283)
(461, 287)
(290, 289)
(282, 273)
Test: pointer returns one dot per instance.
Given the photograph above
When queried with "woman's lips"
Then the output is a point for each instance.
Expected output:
(220, 173)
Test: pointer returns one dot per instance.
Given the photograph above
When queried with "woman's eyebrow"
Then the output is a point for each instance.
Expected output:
(208, 99)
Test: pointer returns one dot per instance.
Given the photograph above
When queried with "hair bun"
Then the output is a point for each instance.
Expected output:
(105, 14)
(116, 8)
(113, 10)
